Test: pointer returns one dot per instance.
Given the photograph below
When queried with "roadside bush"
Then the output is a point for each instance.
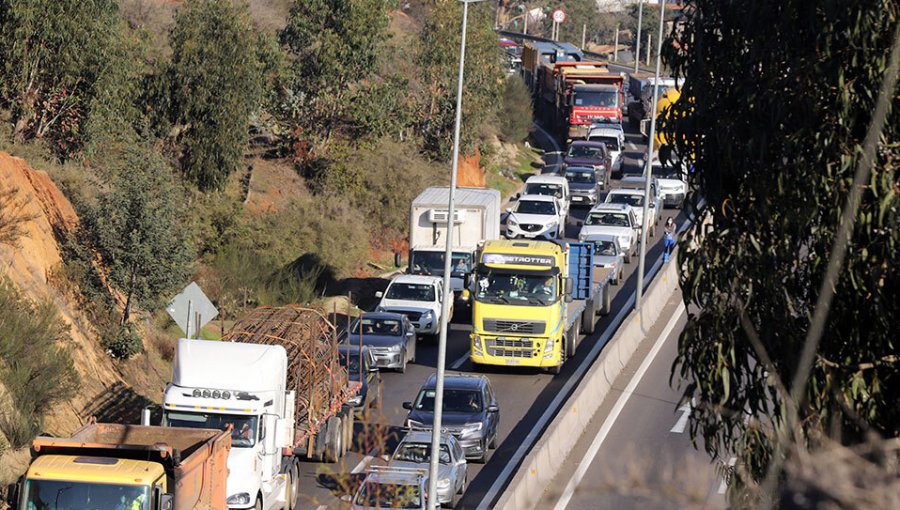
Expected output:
(515, 111)
(124, 343)
(35, 369)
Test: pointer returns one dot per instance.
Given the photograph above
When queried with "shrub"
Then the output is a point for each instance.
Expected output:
(35, 369)
(123, 343)
(515, 112)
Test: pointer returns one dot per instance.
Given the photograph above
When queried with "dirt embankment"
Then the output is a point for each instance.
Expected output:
(30, 264)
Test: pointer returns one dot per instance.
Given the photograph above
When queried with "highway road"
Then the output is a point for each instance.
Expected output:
(524, 395)
(637, 452)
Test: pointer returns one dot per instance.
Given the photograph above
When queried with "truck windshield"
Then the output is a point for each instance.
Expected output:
(603, 98)
(411, 291)
(581, 176)
(542, 188)
(516, 289)
(381, 327)
(59, 495)
(243, 435)
(455, 401)
(420, 453)
(387, 495)
(536, 207)
(584, 152)
(611, 142)
(431, 263)
(634, 200)
(607, 219)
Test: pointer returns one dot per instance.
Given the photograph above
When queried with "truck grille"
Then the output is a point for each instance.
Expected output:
(511, 353)
(513, 326)
(520, 343)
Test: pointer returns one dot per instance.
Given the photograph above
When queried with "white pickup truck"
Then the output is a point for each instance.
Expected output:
(614, 219)
(419, 298)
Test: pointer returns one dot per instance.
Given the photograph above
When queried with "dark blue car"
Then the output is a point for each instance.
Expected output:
(360, 363)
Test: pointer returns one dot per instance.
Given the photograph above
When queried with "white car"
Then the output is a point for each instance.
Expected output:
(638, 182)
(672, 182)
(634, 198)
(419, 298)
(614, 219)
(535, 216)
(554, 186)
(614, 137)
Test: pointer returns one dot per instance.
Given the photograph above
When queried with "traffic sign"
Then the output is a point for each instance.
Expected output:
(191, 309)
(559, 16)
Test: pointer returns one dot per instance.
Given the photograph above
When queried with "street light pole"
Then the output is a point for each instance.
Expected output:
(648, 165)
(637, 49)
(447, 293)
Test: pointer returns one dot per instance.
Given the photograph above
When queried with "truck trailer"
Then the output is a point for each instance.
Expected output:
(106, 466)
(276, 379)
(476, 218)
(533, 300)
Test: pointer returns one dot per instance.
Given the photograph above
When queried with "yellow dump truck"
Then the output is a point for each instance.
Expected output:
(128, 467)
(533, 300)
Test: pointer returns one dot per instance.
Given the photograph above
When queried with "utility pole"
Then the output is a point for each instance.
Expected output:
(637, 37)
(434, 466)
(583, 34)
(647, 170)
(616, 45)
(648, 47)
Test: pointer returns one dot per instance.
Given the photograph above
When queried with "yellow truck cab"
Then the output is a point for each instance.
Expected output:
(532, 300)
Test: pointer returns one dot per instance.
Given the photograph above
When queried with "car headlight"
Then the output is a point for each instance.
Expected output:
(241, 498)
(443, 483)
(512, 223)
(428, 315)
(413, 424)
(394, 348)
(625, 241)
(476, 341)
(471, 428)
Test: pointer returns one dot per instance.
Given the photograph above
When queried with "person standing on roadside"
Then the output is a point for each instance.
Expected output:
(669, 240)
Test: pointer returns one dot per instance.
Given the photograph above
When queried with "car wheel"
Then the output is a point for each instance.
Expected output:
(493, 444)
(413, 359)
(402, 368)
(258, 505)
(483, 458)
(628, 258)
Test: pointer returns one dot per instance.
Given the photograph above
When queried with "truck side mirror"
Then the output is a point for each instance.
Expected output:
(568, 287)
(167, 501)
(379, 294)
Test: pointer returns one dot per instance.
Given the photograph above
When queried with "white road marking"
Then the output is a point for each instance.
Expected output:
(526, 443)
(458, 363)
(723, 486)
(632, 146)
(680, 425)
(614, 412)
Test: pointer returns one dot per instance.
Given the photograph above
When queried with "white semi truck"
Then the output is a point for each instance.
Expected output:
(476, 218)
(276, 379)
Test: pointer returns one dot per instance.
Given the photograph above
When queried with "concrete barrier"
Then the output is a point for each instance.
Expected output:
(553, 449)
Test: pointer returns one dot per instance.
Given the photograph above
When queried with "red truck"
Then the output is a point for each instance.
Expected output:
(580, 95)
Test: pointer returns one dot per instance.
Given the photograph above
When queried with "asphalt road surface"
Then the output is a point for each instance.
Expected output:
(524, 395)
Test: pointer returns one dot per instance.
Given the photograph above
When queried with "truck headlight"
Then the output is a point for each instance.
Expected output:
(548, 348)
(241, 498)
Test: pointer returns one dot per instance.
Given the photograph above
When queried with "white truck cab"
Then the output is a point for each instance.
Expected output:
(419, 298)
(216, 384)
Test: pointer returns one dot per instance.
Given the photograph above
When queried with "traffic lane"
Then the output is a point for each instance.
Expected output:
(524, 394)
(655, 465)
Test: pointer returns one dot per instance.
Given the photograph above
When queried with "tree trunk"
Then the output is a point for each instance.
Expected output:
(126, 314)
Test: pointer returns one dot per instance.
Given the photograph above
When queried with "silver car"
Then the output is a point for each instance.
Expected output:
(608, 255)
(392, 487)
(414, 451)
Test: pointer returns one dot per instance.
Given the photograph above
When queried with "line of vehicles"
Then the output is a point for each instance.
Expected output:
(286, 384)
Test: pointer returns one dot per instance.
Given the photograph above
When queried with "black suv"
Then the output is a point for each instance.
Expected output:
(471, 412)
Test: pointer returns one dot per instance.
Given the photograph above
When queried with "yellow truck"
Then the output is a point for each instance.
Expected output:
(533, 300)
(127, 467)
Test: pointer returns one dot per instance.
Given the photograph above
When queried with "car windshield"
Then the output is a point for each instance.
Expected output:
(605, 98)
(353, 365)
(388, 495)
(580, 176)
(381, 327)
(608, 219)
(541, 188)
(431, 263)
(634, 200)
(605, 248)
(516, 289)
(611, 143)
(536, 207)
(59, 495)
(666, 172)
(420, 453)
(243, 432)
(584, 152)
(411, 291)
(455, 401)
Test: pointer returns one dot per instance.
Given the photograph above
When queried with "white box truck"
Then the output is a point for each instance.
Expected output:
(476, 219)
(276, 379)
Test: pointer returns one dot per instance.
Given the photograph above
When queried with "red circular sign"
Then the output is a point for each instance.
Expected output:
(559, 15)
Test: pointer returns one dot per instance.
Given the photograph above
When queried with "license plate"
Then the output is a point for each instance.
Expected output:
(512, 362)
(576, 198)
